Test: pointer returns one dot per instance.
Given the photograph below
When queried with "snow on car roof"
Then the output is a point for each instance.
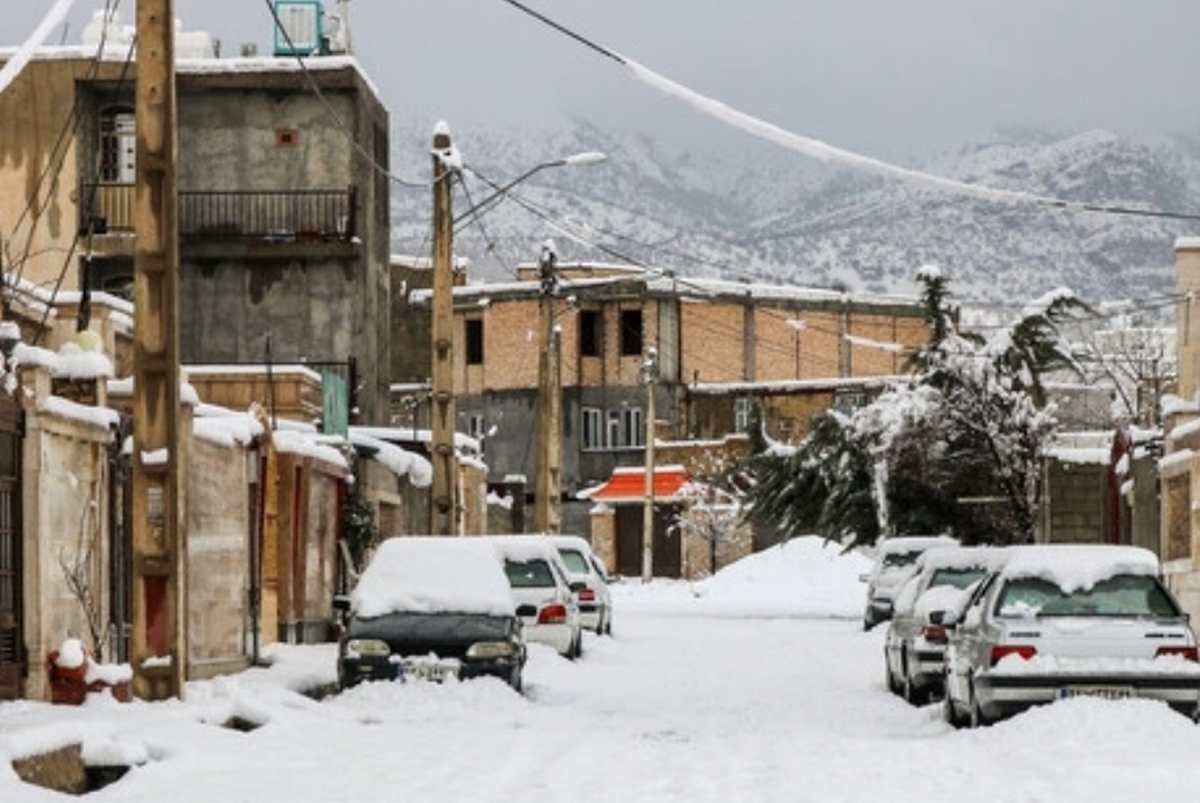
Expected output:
(524, 547)
(989, 557)
(427, 574)
(1078, 566)
(915, 543)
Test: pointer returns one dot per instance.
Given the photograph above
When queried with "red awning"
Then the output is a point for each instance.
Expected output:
(629, 485)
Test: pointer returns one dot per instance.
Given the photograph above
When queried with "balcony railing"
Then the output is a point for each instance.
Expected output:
(270, 215)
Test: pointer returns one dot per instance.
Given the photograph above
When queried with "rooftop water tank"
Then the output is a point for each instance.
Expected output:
(300, 27)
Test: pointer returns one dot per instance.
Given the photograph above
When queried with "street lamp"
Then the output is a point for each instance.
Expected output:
(499, 192)
(447, 165)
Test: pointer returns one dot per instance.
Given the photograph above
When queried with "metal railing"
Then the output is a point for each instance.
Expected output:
(271, 215)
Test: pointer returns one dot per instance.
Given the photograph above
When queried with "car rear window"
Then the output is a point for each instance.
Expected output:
(576, 562)
(959, 577)
(1121, 595)
(529, 573)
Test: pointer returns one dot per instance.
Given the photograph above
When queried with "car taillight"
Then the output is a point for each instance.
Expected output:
(587, 595)
(935, 634)
(1001, 651)
(552, 615)
(1188, 653)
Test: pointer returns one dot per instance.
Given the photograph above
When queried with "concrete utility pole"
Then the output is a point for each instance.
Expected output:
(548, 487)
(443, 492)
(650, 378)
(159, 638)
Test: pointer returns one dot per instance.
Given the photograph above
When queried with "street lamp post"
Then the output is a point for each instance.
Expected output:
(548, 487)
(650, 378)
(446, 165)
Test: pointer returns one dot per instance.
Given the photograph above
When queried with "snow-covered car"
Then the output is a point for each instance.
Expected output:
(541, 591)
(915, 644)
(588, 580)
(1063, 620)
(430, 608)
(893, 563)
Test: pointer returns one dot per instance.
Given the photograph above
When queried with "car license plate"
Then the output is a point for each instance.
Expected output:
(434, 671)
(1104, 692)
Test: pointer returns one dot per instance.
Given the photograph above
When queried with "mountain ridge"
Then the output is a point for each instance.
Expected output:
(756, 212)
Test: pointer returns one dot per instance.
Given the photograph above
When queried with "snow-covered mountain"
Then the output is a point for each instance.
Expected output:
(754, 211)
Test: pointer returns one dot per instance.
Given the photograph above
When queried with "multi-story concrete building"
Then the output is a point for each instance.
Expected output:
(283, 202)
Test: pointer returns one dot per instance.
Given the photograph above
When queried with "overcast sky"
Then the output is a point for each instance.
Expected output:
(892, 79)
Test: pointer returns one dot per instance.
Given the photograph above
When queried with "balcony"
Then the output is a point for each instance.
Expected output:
(244, 216)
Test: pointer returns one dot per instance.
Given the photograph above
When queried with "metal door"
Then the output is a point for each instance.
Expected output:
(13, 654)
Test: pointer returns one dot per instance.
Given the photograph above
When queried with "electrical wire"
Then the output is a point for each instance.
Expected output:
(816, 149)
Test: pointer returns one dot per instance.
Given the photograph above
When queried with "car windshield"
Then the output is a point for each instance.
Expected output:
(576, 562)
(533, 573)
(1122, 595)
(958, 576)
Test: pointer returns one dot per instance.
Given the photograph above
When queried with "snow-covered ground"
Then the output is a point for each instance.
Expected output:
(758, 684)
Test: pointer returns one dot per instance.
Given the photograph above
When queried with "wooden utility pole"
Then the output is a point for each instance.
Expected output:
(548, 486)
(650, 377)
(443, 492)
(159, 639)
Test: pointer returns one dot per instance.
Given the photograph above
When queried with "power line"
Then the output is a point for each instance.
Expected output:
(824, 152)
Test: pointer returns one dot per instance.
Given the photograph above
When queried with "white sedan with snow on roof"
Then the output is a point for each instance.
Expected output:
(541, 591)
(1061, 621)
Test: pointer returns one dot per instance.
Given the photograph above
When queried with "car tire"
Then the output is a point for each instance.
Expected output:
(893, 685)
(951, 714)
(516, 681)
(912, 695)
(977, 719)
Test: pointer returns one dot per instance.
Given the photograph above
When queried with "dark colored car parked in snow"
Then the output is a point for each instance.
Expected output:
(431, 609)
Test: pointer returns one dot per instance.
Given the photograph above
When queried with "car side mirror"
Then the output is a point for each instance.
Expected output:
(578, 586)
(948, 619)
(341, 603)
(863, 578)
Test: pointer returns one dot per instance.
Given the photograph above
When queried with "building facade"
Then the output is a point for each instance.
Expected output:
(283, 210)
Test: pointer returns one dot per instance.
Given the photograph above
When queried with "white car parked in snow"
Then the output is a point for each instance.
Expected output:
(589, 581)
(542, 593)
(1065, 620)
(914, 648)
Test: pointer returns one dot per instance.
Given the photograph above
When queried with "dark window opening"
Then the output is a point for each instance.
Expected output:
(475, 342)
(631, 332)
(589, 333)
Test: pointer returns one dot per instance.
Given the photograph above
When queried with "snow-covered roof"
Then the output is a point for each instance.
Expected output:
(1078, 566)
(400, 462)
(427, 574)
(660, 283)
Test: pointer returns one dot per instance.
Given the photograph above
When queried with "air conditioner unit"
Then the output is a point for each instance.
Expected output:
(299, 31)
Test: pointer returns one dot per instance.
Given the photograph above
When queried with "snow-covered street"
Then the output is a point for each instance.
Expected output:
(759, 684)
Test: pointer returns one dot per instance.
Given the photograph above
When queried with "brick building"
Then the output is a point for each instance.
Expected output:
(720, 346)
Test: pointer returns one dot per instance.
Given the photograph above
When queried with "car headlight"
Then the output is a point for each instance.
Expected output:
(367, 648)
(491, 649)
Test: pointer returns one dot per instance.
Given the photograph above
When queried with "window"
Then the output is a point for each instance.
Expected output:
(846, 402)
(476, 425)
(118, 146)
(593, 432)
(614, 429)
(741, 415)
(631, 332)
(589, 333)
(474, 341)
(632, 428)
